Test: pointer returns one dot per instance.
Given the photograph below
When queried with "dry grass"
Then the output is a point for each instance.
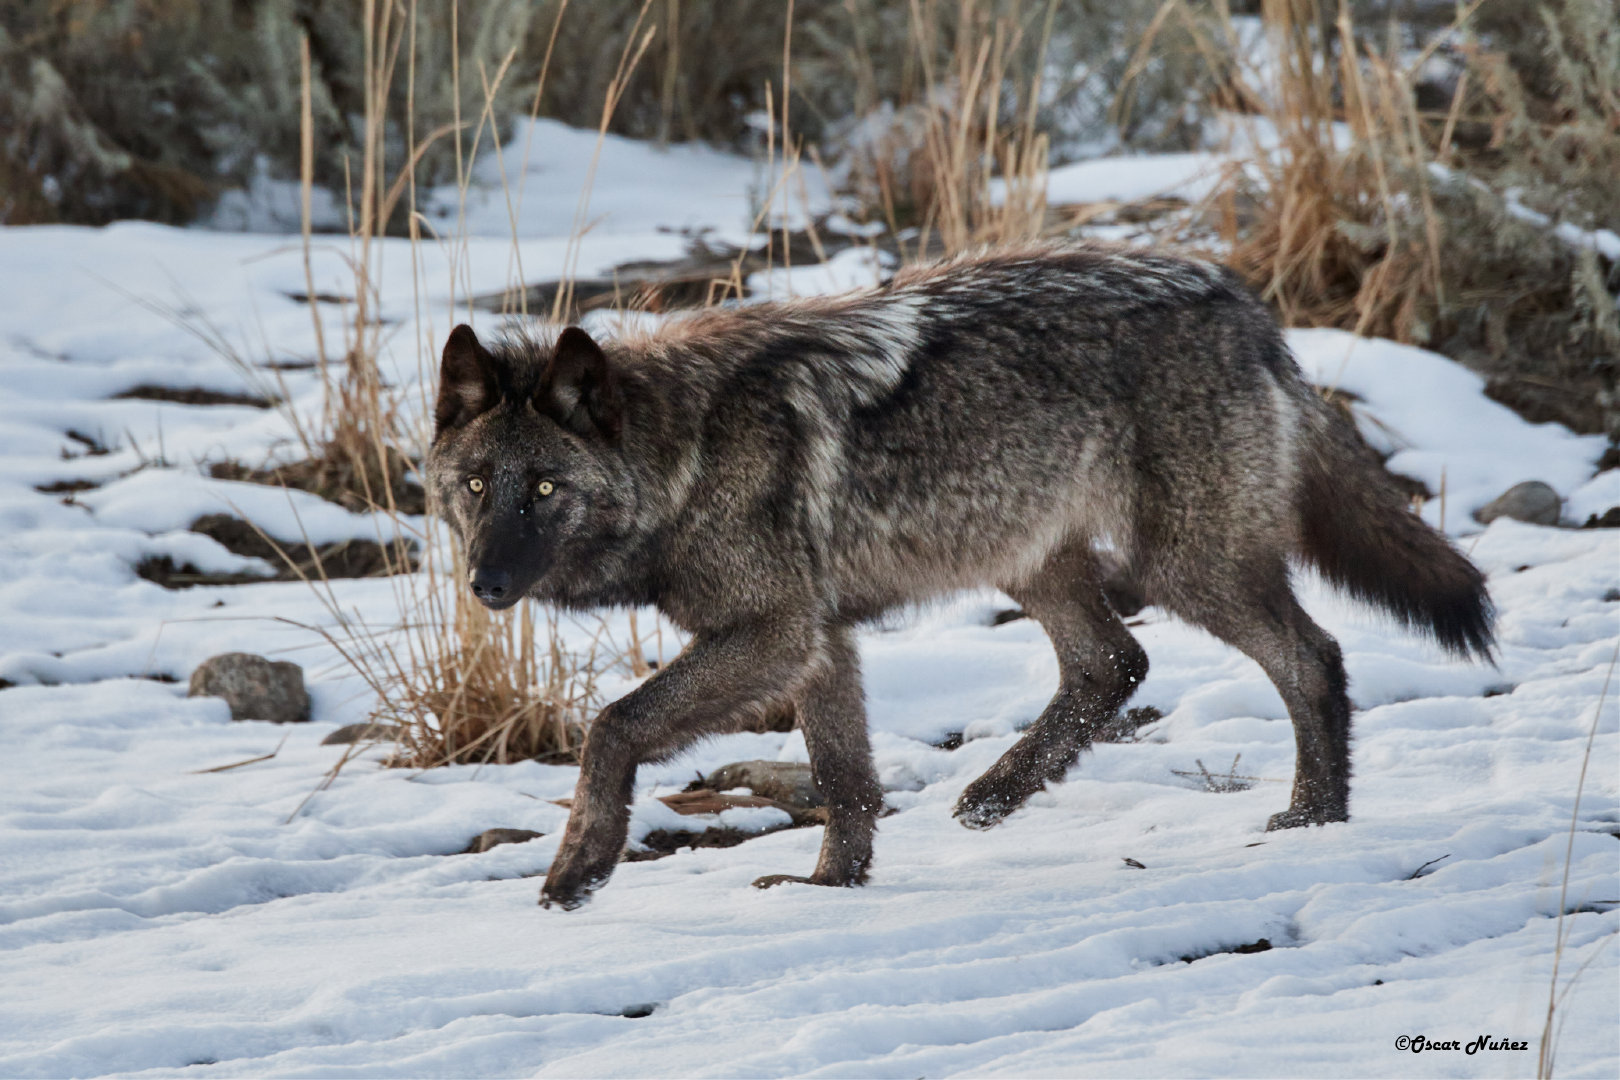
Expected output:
(465, 685)
(1375, 214)
(356, 455)
(1552, 1026)
(460, 683)
(928, 168)
(1337, 232)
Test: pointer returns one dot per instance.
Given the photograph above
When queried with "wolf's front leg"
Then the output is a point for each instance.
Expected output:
(833, 716)
(599, 819)
(716, 682)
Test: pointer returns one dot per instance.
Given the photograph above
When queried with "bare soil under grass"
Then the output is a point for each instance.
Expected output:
(294, 561)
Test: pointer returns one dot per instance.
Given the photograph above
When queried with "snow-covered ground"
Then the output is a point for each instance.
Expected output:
(156, 920)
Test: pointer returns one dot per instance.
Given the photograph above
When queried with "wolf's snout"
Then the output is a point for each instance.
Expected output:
(491, 586)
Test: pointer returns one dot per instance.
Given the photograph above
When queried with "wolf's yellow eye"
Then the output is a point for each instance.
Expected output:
(546, 488)
(475, 484)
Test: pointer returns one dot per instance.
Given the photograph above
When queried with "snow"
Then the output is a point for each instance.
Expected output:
(1432, 417)
(156, 920)
(852, 268)
(682, 188)
(1189, 176)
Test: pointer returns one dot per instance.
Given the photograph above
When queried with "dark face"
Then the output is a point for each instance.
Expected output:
(525, 469)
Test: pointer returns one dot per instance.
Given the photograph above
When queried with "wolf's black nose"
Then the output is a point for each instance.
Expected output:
(490, 584)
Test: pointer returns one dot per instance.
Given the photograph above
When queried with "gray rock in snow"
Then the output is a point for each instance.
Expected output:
(786, 782)
(1531, 501)
(255, 688)
(349, 734)
(491, 838)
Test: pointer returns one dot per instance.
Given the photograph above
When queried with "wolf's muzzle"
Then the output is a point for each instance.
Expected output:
(493, 587)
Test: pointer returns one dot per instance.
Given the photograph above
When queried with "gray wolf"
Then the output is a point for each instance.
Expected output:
(772, 476)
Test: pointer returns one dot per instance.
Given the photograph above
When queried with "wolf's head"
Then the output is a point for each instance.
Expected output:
(526, 463)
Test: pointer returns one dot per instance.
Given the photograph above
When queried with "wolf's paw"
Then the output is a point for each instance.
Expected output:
(983, 810)
(569, 897)
(565, 901)
(1298, 816)
(571, 882)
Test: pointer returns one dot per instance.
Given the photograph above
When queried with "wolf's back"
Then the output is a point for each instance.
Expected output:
(1357, 530)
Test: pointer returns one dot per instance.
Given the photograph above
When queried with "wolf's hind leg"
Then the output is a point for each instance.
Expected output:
(1261, 618)
(1099, 665)
(832, 713)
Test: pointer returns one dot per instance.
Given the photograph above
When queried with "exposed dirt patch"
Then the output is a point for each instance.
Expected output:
(494, 838)
(93, 447)
(293, 561)
(337, 483)
(694, 801)
(1263, 945)
(661, 843)
(1575, 402)
(344, 559)
(319, 298)
(164, 571)
(67, 487)
(193, 395)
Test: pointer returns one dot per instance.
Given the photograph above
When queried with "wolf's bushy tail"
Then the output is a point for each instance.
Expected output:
(1357, 530)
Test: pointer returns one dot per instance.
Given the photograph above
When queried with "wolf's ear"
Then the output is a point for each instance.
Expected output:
(581, 389)
(467, 384)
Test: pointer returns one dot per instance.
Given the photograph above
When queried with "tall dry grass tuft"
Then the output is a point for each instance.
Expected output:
(1342, 230)
(1553, 1025)
(1373, 198)
(356, 457)
(456, 683)
(964, 163)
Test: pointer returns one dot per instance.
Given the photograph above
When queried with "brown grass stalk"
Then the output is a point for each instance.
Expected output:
(935, 171)
(457, 683)
(1547, 1051)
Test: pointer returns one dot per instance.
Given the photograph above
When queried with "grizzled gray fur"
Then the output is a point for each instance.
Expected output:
(771, 476)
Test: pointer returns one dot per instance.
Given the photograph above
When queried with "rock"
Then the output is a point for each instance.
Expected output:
(1531, 501)
(695, 801)
(784, 782)
(356, 733)
(491, 838)
(255, 688)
